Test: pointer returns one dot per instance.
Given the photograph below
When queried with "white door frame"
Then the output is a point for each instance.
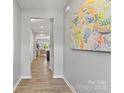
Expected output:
(51, 63)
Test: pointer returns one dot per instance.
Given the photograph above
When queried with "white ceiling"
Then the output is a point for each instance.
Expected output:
(48, 4)
(40, 25)
(41, 28)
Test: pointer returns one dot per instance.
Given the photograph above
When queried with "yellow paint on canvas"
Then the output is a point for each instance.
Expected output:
(89, 2)
(91, 10)
(79, 13)
(76, 29)
(90, 26)
(101, 15)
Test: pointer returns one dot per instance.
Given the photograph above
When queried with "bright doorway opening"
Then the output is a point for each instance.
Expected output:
(42, 43)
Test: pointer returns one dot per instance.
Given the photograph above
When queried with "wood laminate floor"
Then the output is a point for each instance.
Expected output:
(42, 81)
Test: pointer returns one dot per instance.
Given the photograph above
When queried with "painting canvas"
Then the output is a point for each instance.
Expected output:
(91, 26)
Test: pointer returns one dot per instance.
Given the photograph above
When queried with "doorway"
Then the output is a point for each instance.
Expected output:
(42, 40)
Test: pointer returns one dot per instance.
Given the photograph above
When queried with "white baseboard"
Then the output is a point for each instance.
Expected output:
(15, 86)
(26, 77)
(69, 85)
(54, 76)
(22, 77)
(57, 76)
(50, 67)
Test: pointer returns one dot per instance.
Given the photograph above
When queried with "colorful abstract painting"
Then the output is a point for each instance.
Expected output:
(91, 26)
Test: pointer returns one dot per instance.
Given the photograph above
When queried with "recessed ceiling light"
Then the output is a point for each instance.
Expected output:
(36, 19)
(67, 8)
(42, 35)
(33, 20)
(42, 27)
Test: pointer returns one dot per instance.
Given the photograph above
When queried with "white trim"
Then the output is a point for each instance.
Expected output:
(22, 77)
(26, 77)
(69, 85)
(50, 67)
(57, 76)
(54, 76)
(16, 84)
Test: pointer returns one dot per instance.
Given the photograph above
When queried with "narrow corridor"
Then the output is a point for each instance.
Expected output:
(42, 81)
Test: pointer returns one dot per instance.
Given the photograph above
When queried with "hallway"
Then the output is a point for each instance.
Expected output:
(77, 34)
(42, 81)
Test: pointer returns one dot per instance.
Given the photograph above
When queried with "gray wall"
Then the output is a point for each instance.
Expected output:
(17, 42)
(81, 68)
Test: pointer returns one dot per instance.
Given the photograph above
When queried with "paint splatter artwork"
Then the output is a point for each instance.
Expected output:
(91, 26)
